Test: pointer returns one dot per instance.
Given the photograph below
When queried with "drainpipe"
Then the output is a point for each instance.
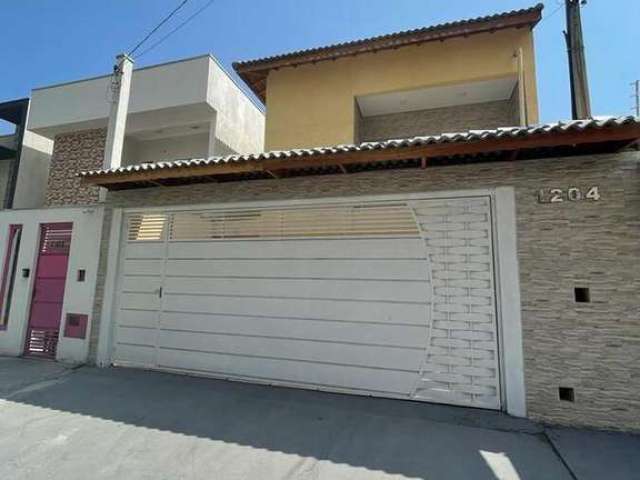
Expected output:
(120, 89)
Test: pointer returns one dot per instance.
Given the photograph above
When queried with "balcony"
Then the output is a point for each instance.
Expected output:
(478, 105)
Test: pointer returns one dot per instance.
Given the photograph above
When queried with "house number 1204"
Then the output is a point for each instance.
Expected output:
(573, 194)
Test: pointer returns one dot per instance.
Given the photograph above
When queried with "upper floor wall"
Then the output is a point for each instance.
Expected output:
(169, 100)
(185, 109)
(318, 104)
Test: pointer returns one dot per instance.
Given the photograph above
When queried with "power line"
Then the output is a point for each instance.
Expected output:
(197, 12)
(165, 20)
(547, 17)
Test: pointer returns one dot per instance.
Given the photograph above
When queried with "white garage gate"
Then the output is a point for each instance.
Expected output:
(377, 297)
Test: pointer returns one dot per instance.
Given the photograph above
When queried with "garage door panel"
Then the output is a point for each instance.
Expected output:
(462, 362)
(366, 269)
(138, 318)
(145, 250)
(140, 301)
(285, 371)
(355, 311)
(328, 331)
(402, 248)
(215, 293)
(145, 284)
(295, 350)
(136, 335)
(143, 267)
(134, 355)
(375, 290)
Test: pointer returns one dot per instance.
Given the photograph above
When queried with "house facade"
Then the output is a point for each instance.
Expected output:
(51, 226)
(409, 232)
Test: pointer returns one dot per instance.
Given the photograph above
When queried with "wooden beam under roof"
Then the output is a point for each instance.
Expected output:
(620, 135)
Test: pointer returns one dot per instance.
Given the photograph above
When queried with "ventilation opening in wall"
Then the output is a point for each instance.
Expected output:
(566, 394)
(582, 295)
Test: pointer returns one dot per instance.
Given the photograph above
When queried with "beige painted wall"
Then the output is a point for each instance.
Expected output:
(312, 105)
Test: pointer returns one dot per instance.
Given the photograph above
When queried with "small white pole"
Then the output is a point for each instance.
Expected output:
(121, 87)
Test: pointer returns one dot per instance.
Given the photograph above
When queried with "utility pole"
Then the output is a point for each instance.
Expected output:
(120, 88)
(580, 102)
(636, 94)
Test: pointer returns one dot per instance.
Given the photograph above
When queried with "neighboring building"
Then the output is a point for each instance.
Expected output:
(24, 158)
(51, 231)
(184, 109)
(496, 267)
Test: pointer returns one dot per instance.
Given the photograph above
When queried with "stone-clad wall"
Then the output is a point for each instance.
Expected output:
(593, 347)
(435, 121)
(73, 153)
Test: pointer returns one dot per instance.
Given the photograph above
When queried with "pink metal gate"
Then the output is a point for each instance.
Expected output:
(48, 290)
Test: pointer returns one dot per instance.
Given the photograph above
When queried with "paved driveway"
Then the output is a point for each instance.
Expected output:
(57, 423)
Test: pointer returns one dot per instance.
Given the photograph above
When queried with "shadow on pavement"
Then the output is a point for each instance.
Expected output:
(290, 433)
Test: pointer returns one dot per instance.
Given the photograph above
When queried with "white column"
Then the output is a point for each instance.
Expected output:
(509, 298)
(121, 87)
(522, 90)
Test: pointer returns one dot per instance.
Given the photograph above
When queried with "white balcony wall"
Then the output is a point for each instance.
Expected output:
(171, 148)
(85, 104)
(239, 122)
(33, 173)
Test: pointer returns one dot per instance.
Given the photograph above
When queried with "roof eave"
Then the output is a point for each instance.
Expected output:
(621, 135)
(254, 72)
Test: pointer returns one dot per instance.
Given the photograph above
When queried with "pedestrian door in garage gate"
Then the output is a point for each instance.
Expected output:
(392, 298)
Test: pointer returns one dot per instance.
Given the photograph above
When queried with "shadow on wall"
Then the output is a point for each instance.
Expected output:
(269, 432)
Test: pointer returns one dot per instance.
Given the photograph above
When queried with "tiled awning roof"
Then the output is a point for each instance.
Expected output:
(470, 145)
(254, 72)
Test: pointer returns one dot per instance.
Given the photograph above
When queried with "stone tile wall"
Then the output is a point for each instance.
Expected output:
(73, 153)
(439, 120)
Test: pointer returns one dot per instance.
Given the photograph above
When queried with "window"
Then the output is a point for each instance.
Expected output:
(9, 273)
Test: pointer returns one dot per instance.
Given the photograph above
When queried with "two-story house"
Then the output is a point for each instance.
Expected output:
(410, 232)
(52, 223)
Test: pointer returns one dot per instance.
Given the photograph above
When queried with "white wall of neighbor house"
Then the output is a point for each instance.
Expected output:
(170, 148)
(185, 109)
(239, 120)
(78, 296)
(5, 172)
(156, 87)
(33, 172)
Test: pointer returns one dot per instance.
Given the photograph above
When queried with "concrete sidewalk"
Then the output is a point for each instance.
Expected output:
(598, 455)
(58, 423)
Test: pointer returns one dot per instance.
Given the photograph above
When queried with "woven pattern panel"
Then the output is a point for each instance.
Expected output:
(461, 364)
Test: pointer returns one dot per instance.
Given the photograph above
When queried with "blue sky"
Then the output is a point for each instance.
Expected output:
(51, 41)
